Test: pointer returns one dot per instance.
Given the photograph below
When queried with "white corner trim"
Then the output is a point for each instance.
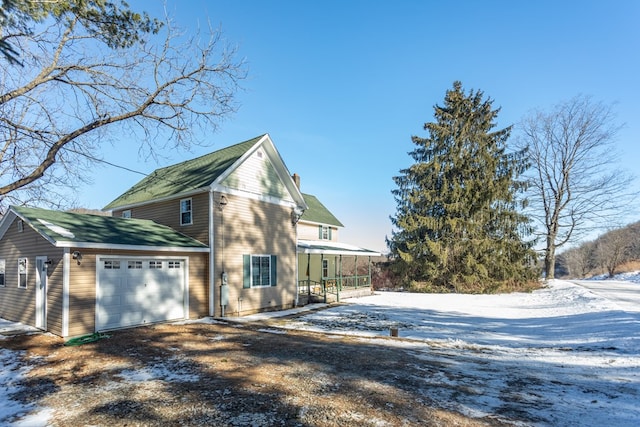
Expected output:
(186, 288)
(212, 273)
(66, 274)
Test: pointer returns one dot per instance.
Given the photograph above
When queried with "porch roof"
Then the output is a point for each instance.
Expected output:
(327, 247)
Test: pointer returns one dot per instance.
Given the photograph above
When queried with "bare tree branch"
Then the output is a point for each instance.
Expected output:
(573, 186)
(74, 93)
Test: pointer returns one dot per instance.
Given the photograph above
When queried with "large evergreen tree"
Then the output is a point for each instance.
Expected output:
(457, 225)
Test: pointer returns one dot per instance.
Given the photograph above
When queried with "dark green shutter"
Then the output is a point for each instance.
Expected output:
(246, 276)
(319, 232)
(274, 271)
(329, 233)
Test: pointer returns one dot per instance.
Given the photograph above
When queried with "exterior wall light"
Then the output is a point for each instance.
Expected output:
(296, 214)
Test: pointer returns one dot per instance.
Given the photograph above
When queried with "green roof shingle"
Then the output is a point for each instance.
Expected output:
(317, 212)
(74, 229)
(183, 177)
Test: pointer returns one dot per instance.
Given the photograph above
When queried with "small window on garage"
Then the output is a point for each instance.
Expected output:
(173, 264)
(22, 273)
(134, 265)
(2, 269)
(111, 265)
(186, 215)
(155, 264)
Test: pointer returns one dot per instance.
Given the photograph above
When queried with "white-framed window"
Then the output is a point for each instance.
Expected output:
(111, 265)
(126, 214)
(134, 265)
(325, 268)
(259, 271)
(2, 271)
(186, 212)
(155, 264)
(173, 264)
(22, 273)
(20, 226)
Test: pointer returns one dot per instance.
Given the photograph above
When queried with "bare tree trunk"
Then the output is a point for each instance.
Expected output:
(550, 259)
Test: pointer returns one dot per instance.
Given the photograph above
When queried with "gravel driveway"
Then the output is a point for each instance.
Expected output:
(226, 374)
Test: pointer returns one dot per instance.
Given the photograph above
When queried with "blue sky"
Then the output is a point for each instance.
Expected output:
(341, 86)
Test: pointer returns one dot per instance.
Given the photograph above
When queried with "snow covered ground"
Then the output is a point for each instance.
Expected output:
(560, 356)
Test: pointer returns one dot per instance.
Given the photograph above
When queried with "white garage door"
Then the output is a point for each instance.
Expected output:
(135, 291)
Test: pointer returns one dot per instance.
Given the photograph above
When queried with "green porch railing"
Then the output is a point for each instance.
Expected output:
(332, 285)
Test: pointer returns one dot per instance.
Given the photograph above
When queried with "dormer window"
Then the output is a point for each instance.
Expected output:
(186, 212)
(324, 232)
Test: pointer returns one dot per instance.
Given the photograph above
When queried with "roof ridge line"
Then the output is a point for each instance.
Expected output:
(257, 138)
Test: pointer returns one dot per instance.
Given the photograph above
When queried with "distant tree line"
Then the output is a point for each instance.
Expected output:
(608, 254)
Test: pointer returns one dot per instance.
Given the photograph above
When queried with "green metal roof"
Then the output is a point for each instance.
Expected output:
(184, 177)
(67, 229)
(317, 212)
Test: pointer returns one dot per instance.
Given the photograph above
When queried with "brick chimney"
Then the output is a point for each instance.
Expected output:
(296, 179)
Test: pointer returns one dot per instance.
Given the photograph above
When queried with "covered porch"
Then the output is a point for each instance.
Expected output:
(331, 271)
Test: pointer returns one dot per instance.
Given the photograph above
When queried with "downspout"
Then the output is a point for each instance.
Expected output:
(212, 258)
(297, 277)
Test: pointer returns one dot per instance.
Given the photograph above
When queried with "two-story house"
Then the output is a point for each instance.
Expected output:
(225, 234)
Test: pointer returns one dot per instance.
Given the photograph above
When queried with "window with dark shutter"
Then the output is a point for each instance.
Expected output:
(259, 271)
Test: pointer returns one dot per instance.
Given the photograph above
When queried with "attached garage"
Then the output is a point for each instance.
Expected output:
(86, 273)
(136, 291)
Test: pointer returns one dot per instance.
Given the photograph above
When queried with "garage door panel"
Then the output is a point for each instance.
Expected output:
(140, 292)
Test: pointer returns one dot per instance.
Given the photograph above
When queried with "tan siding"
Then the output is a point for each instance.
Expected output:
(82, 293)
(18, 304)
(311, 232)
(168, 213)
(252, 227)
(54, 293)
(198, 285)
(257, 175)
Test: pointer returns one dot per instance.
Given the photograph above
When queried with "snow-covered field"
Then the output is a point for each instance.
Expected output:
(560, 356)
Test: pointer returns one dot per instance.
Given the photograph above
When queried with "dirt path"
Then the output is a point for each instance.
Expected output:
(229, 375)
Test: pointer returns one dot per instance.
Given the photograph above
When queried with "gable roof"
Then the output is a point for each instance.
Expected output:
(185, 177)
(317, 212)
(67, 229)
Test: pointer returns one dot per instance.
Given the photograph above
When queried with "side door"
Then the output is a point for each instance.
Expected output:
(41, 292)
